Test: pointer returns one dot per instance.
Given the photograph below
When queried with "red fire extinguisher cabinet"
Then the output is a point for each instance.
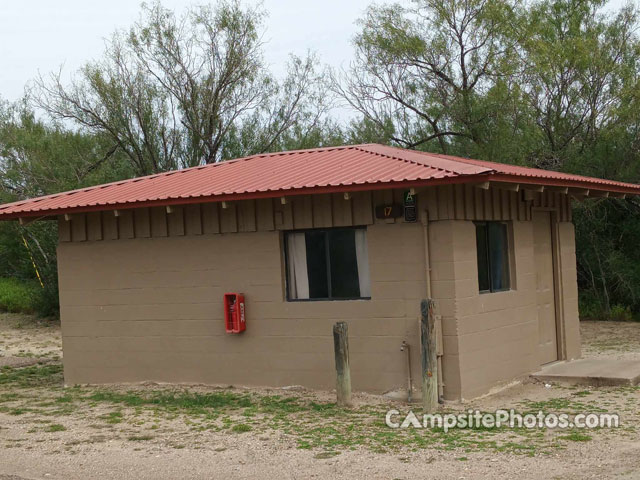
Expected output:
(234, 320)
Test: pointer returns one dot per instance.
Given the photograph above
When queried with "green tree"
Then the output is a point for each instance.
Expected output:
(608, 256)
(551, 83)
(580, 69)
(180, 91)
(38, 158)
(426, 70)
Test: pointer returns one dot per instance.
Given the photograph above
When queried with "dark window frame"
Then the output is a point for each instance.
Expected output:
(328, 261)
(488, 255)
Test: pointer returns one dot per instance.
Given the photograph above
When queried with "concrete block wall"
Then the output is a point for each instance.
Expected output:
(151, 309)
(492, 338)
(569, 281)
(141, 293)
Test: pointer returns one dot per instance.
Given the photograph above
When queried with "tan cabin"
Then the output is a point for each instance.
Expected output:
(359, 234)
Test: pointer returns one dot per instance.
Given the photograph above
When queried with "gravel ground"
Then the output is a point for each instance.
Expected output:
(248, 459)
(145, 447)
(27, 337)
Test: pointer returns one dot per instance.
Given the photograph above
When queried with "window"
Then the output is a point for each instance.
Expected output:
(328, 264)
(493, 256)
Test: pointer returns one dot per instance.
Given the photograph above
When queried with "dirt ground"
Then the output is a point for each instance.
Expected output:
(25, 338)
(163, 432)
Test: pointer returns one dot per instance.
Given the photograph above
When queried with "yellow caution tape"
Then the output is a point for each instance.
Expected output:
(33, 262)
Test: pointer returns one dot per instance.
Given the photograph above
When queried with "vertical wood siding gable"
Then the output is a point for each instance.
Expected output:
(445, 202)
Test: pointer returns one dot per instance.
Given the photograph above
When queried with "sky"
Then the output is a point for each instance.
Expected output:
(41, 35)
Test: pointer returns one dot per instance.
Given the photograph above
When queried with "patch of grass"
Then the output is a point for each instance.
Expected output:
(621, 313)
(17, 411)
(279, 405)
(33, 376)
(112, 417)
(560, 404)
(311, 424)
(592, 309)
(128, 399)
(576, 437)
(186, 401)
(17, 296)
(582, 393)
(139, 438)
(327, 454)
(56, 427)
(241, 428)
(515, 447)
(9, 397)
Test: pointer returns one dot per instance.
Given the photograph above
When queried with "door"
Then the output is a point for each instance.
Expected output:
(545, 288)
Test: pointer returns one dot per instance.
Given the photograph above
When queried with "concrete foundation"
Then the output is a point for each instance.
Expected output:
(596, 372)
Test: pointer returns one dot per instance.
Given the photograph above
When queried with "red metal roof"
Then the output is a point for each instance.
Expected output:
(320, 170)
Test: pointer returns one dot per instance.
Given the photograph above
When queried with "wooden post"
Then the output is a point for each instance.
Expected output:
(429, 357)
(343, 373)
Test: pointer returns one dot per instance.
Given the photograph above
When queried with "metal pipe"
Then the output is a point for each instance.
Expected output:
(427, 259)
(440, 384)
(427, 264)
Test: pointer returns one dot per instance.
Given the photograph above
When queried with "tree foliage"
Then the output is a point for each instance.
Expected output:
(550, 83)
(427, 69)
(180, 91)
(547, 83)
(40, 158)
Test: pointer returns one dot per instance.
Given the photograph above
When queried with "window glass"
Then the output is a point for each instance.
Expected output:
(492, 246)
(498, 256)
(327, 264)
(317, 264)
(484, 283)
(344, 266)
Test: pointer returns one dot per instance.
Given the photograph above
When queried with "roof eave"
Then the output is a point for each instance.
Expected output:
(459, 179)
(559, 182)
(247, 196)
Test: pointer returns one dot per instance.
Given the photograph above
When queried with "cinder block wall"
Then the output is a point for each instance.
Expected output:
(569, 279)
(141, 293)
(151, 309)
(492, 338)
